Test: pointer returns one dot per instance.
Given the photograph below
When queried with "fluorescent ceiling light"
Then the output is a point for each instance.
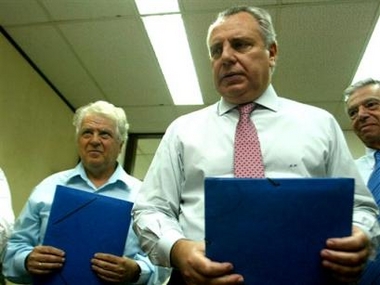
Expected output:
(369, 65)
(168, 38)
(154, 7)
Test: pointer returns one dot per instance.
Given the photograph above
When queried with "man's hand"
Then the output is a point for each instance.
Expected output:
(189, 257)
(44, 260)
(115, 269)
(346, 257)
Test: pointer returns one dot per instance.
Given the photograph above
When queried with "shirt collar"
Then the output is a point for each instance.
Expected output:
(370, 151)
(268, 100)
(118, 176)
(370, 155)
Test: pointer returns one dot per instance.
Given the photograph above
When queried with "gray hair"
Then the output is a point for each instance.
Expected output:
(262, 16)
(107, 110)
(362, 83)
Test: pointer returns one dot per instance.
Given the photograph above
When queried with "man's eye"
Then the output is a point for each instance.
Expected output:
(372, 105)
(105, 135)
(241, 45)
(86, 133)
(352, 113)
(215, 52)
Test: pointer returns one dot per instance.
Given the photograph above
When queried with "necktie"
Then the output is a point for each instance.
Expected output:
(248, 161)
(371, 274)
(374, 179)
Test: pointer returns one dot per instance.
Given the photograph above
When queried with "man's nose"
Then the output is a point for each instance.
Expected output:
(228, 54)
(362, 112)
(95, 139)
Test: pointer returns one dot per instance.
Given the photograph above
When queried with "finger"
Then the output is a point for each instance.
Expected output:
(107, 274)
(43, 268)
(44, 249)
(206, 267)
(226, 279)
(344, 272)
(46, 262)
(344, 269)
(103, 264)
(346, 258)
(356, 242)
(106, 257)
(42, 264)
(108, 279)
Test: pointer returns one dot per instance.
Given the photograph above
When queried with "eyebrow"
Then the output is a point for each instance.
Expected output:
(100, 130)
(363, 102)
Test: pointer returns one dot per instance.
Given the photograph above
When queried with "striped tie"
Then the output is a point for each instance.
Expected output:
(371, 275)
(374, 179)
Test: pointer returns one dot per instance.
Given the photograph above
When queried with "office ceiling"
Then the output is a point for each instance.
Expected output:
(98, 49)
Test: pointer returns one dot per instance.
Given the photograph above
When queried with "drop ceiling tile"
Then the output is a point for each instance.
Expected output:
(119, 58)
(219, 5)
(151, 119)
(89, 9)
(55, 59)
(27, 11)
(287, 2)
(327, 42)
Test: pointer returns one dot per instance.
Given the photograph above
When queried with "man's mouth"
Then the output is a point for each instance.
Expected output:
(366, 126)
(231, 77)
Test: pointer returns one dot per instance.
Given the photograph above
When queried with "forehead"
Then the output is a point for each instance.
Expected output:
(97, 121)
(237, 25)
(364, 93)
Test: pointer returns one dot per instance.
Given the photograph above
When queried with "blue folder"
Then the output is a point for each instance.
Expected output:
(273, 230)
(81, 224)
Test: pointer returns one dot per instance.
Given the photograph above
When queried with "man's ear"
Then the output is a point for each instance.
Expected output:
(272, 55)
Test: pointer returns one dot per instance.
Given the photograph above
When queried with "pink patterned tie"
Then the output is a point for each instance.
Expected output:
(248, 162)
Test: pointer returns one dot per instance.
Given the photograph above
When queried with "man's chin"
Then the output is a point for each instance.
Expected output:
(94, 162)
(370, 139)
(232, 89)
(238, 96)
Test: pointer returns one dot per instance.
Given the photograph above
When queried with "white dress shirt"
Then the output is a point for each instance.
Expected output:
(297, 140)
(366, 163)
(7, 216)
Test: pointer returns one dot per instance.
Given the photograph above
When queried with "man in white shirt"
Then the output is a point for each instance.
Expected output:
(6, 215)
(363, 108)
(296, 140)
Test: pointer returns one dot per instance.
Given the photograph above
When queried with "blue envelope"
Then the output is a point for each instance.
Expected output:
(273, 230)
(83, 223)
